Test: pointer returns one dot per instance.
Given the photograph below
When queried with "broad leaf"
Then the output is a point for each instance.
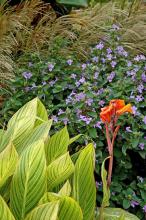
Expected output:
(84, 189)
(106, 190)
(69, 209)
(59, 170)
(8, 161)
(29, 110)
(66, 189)
(29, 180)
(5, 213)
(117, 214)
(57, 145)
(39, 133)
(47, 211)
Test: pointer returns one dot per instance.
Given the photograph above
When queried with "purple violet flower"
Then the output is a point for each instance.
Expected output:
(55, 118)
(128, 129)
(139, 98)
(144, 208)
(143, 77)
(69, 62)
(109, 50)
(100, 46)
(95, 59)
(80, 96)
(134, 203)
(73, 76)
(77, 83)
(84, 65)
(27, 75)
(101, 103)
(89, 101)
(96, 74)
(98, 125)
(86, 119)
(113, 64)
(111, 77)
(50, 67)
(144, 120)
(82, 80)
(60, 112)
(141, 146)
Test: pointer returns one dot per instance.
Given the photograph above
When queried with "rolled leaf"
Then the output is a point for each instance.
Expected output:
(84, 189)
(29, 180)
(106, 190)
(59, 170)
(5, 213)
(8, 162)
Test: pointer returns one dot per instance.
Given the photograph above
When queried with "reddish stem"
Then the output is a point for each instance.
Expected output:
(110, 168)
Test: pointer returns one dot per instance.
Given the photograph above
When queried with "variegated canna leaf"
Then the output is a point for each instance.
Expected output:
(29, 180)
(8, 162)
(5, 213)
(59, 170)
(57, 145)
(84, 189)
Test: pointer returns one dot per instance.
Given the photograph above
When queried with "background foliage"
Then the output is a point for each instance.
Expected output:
(75, 91)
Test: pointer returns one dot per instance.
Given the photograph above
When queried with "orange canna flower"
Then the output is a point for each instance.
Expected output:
(106, 114)
(116, 108)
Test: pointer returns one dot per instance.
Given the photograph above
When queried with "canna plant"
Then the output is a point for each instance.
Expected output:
(40, 180)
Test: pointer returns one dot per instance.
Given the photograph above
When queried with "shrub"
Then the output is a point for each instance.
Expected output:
(74, 92)
(38, 177)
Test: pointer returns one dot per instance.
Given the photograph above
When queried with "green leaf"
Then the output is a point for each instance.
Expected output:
(47, 211)
(106, 191)
(116, 213)
(57, 145)
(84, 189)
(74, 138)
(68, 207)
(59, 170)
(92, 132)
(66, 189)
(126, 204)
(39, 133)
(81, 3)
(5, 213)
(122, 217)
(29, 180)
(8, 161)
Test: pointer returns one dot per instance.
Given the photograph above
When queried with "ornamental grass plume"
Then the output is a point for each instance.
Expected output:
(109, 115)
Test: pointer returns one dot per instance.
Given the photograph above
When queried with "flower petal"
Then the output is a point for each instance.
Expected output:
(117, 103)
(106, 114)
(126, 108)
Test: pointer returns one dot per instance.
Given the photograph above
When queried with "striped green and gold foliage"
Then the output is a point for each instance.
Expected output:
(38, 178)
